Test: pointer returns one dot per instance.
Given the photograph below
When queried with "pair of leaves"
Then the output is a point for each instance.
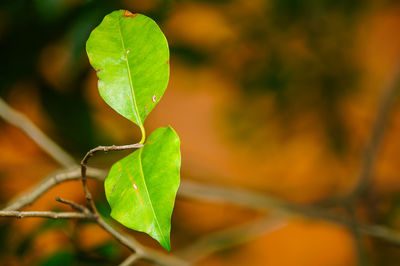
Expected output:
(131, 57)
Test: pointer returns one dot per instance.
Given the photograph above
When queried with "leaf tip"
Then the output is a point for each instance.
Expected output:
(166, 245)
(171, 129)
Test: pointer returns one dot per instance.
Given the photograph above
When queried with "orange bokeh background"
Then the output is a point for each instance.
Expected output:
(231, 135)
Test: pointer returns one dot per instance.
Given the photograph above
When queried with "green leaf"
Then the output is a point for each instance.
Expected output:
(141, 188)
(131, 57)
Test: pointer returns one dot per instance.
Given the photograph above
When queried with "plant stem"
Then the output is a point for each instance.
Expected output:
(20, 121)
(143, 134)
(85, 160)
(46, 214)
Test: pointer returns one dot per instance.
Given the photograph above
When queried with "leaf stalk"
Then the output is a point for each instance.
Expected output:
(143, 135)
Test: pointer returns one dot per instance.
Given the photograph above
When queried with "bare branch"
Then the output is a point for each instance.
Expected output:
(50, 181)
(17, 119)
(130, 260)
(254, 200)
(386, 102)
(389, 94)
(163, 259)
(381, 232)
(124, 239)
(231, 237)
(145, 253)
(85, 160)
(130, 243)
(73, 205)
(192, 190)
(198, 191)
(45, 214)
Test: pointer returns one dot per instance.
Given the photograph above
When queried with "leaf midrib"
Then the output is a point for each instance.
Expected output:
(148, 195)
(133, 98)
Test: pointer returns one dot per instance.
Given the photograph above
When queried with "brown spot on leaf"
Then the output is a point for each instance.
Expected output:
(99, 69)
(129, 14)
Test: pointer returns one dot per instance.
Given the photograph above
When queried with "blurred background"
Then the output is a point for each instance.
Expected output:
(273, 96)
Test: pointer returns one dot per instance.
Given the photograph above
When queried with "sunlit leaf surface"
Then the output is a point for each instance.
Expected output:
(131, 57)
(141, 188)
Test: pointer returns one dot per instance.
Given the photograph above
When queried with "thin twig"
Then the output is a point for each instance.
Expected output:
(73, 205)
(145, 253)
(254, 200)
(390, 92)
(130, 243)
(362, 255)
(73, 173)
(156, 256)
(84, 163)
(386, 102)
(131, 260)
(20, 121)
(45, 214)
(231, 237)
(381, 232)
(241, 197)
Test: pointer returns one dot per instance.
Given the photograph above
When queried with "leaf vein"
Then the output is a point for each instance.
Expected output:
(148, 194)
(133, 99)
